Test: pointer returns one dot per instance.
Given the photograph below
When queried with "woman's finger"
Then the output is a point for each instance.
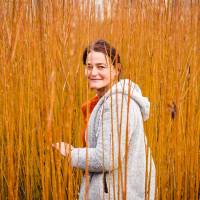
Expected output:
(61, 147)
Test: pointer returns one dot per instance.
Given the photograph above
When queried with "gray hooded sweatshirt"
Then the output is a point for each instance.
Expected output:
(116, 157)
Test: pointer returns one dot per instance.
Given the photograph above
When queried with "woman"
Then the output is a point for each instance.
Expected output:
(115, 156)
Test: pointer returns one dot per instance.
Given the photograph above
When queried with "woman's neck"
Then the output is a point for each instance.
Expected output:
(100, 92)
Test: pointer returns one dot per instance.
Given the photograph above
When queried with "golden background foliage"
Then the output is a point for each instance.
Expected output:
(42, 87)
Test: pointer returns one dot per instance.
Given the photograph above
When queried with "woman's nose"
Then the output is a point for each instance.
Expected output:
(94, 71)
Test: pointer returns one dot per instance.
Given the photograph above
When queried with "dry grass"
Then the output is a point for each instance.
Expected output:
(42, 88)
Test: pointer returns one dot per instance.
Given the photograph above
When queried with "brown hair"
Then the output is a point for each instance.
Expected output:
(105, 48)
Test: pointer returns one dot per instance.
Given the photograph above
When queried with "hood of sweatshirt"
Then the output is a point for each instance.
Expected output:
(126, 87)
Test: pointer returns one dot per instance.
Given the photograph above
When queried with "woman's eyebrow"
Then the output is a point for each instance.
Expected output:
(100, 63)
(97, 63)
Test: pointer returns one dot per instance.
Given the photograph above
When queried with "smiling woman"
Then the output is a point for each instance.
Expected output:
(115, 152)
(102, 66)
(97, 72)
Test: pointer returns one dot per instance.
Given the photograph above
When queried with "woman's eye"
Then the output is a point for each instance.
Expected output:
(101, 67)
(89, 67)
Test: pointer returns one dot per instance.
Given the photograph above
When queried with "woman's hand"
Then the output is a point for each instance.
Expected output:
(63, 147)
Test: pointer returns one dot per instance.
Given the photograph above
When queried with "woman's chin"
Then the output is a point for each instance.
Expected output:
(93, 87)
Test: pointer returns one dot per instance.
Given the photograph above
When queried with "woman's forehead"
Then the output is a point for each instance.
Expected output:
(97, 57)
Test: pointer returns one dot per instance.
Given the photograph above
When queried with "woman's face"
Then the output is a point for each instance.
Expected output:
(99, 71)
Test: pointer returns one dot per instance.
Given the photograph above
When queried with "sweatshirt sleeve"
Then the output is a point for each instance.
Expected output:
(112, 134)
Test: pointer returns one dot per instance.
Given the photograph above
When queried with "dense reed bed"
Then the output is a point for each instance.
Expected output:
(42, 88)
